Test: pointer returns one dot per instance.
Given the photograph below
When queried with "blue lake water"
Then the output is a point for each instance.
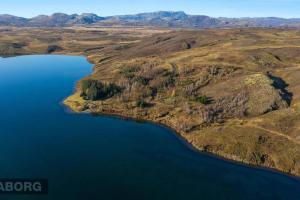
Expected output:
(86, 157)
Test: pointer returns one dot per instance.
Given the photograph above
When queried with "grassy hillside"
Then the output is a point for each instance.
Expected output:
(235, 93)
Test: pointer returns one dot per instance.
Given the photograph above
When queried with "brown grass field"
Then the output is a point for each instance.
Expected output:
(231, 92)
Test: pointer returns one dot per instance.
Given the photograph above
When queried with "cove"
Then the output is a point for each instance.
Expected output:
(88, 157)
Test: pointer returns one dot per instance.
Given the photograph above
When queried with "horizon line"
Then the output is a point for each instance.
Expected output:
(147, 13)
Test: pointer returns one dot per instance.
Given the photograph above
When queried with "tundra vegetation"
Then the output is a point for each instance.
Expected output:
(233, 92)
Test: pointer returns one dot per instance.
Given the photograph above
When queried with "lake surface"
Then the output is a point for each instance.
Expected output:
(86, 157)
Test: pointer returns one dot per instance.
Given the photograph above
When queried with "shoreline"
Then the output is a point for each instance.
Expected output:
(181, 138)
(179, 135)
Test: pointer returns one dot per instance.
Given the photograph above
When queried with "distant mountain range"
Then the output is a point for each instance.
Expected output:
(158, 19)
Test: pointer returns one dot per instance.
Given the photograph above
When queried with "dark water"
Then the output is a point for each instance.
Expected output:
(86, 157)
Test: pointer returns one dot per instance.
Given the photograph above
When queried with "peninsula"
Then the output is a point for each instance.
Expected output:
(231, 92)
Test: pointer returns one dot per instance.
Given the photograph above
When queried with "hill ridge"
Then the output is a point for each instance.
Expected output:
(164, 19)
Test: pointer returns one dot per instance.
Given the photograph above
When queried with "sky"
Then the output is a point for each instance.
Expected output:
(213, 8)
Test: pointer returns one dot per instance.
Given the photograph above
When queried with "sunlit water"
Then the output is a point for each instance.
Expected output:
(86, 157)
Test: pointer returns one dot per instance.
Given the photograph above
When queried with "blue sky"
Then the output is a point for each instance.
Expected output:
(215, 8)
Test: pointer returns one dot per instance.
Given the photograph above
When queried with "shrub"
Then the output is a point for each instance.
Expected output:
(203, 99)
(53, 48)
(94, 89)
(141, 103)
(141, 80)
(129, 71)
